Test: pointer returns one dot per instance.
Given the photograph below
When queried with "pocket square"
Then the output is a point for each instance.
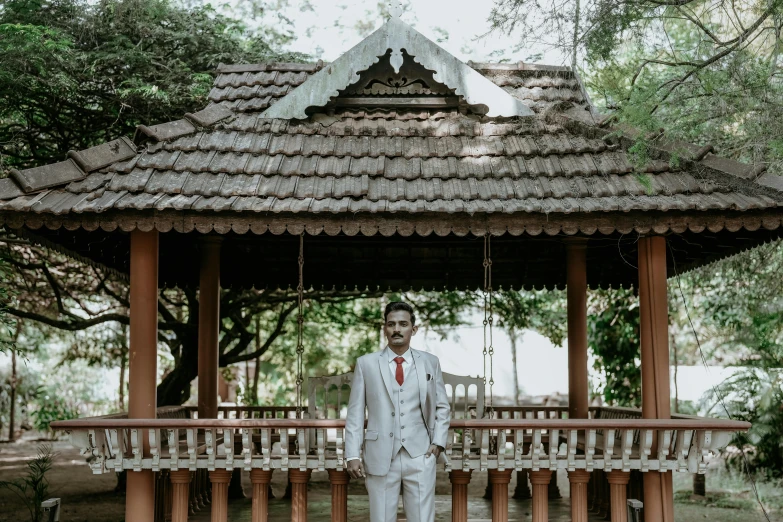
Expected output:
(429, 376)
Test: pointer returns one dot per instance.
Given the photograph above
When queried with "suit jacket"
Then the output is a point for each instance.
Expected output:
(371, 389)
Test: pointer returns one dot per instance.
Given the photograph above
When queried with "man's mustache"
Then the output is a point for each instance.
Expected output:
(396, 335)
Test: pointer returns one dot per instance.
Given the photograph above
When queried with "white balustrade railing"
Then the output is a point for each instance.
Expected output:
(625, 444)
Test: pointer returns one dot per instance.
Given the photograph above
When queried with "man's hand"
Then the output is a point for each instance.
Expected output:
(434, 450)
(355, 469)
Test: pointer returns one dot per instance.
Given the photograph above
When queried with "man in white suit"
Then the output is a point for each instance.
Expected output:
(403, 392)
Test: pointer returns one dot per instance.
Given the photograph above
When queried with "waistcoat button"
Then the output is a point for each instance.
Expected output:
(391, 434)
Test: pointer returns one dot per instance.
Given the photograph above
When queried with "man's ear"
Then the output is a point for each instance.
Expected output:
(415, 329)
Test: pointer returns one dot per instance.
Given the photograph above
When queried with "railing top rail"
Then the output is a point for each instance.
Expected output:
(548, 424)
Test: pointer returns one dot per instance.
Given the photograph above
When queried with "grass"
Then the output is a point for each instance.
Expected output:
(730, 498)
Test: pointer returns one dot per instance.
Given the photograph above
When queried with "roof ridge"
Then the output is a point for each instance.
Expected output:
(223, 68)
(518, 66)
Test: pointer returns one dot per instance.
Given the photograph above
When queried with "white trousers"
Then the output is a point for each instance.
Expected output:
(417, 476)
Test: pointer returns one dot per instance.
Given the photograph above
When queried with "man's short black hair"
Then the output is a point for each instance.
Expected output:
(399, 306)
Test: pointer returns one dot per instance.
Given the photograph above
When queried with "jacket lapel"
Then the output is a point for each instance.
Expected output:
(421, 373)
(383, 367)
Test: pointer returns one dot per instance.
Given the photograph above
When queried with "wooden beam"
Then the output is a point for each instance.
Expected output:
(576, 295)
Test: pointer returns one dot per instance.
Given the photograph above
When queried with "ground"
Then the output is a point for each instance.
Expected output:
(87, 497)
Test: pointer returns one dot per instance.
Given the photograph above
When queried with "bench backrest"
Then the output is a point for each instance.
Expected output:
(327, 397)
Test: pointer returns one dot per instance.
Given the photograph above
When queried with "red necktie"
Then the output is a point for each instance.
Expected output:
(399, 376)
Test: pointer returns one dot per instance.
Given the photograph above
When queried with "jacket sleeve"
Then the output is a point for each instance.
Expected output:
(354, 422)
(442, 410)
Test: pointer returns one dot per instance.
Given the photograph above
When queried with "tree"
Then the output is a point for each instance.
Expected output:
(707, 71)
(77, 73)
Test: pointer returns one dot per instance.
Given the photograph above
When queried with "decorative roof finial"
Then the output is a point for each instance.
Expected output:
(395, 8)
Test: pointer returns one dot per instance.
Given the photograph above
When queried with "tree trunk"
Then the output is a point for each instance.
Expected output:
(123, 362)
(12, 406)
(256, 377)
(673, 343)
(512, 334)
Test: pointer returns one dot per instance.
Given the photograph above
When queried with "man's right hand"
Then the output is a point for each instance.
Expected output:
(355, 469)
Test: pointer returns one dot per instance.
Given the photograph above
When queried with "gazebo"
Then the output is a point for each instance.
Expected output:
(396, 166)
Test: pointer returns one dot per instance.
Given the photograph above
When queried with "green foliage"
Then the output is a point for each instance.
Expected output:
(33, 488)
(76, 73)
(613, 338)
(50, 406)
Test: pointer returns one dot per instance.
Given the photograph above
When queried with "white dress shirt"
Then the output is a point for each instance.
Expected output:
(406, 365)
(406, 369)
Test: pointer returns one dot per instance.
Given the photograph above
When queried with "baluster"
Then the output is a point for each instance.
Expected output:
(320, 438)
(573, 437)
(467, 441)
(300, 433)
(117, 437)
(501, 448)
(554, 448)
(228, 447)
(340, 448)
(535, 447)
(449, 448)
(154, 436)
(247, 450)
(608, 449)
(682, 447)
(590, 437)
(192, 456)
(664, 442)
(173, 436)
(284, 449)
(209, 439)
(626, 446)
(136, 448)
(266, 448)
(484, 434)
(645, 440)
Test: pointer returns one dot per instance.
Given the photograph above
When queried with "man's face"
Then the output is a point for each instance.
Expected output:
(398, 329)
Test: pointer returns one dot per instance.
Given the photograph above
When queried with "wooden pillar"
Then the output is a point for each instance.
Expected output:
(180, 496)
(143, 363)
(260, 479)
(219, 479)
(654, 337)
(540, 480)
(579, 479)
(576, 295)
(339, 481)
(500, 481)
(208, 328)
(618, 482)
(459, 494)
(299, 480)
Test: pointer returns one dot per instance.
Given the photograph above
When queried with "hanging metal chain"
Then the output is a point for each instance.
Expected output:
(300, 331)
(489, 320)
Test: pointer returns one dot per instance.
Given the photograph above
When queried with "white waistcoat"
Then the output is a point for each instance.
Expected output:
(410, 432)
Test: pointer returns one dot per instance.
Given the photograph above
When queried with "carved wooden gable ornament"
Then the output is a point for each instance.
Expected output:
(398, 61)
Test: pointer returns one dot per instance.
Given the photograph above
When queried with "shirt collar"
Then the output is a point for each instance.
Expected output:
(407, 355)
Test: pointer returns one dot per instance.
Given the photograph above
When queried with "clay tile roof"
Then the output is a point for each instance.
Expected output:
(229, 158)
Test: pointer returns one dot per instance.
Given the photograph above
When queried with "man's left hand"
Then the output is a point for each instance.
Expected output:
(434, 450)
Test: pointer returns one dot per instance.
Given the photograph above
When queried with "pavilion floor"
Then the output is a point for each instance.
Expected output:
(319, 502)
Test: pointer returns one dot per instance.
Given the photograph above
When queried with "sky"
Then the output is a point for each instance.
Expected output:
(328, 30)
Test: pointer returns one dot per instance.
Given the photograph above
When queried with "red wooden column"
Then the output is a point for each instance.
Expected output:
(576, 296)
(260, 479)
(208, 328)
(654, 337)
(459, 494)
(299, 480)
(500, 480)
(220, 479)
(540, 480)
(578, 480)
(180, 485)
(143, 363)
(618, 481)
(339, 481)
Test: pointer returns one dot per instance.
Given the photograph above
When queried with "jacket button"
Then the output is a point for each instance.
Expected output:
(402, 402)
(391, 434)
(392, 414)
(403, 440)
(402, 428)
